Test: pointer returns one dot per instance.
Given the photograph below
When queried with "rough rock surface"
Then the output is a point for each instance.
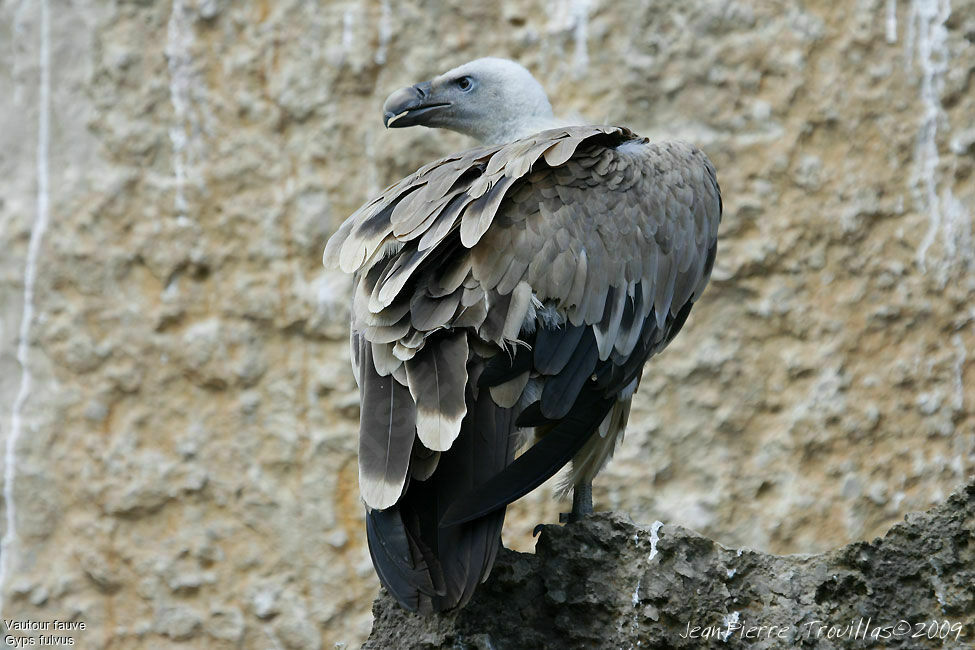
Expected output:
(177, 410)
(609, 583)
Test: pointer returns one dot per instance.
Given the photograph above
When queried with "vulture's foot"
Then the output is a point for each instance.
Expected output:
(581, 504)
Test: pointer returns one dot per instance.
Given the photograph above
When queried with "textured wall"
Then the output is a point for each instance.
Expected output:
(176, 405)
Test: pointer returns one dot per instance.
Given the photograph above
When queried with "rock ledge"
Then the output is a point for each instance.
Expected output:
(607, 582)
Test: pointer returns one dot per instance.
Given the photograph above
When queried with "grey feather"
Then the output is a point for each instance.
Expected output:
(481, 212)
(386, 432)
(383, 359)
(507, 394)
(428, 313)
(388, 333)
(408, 346)
(607, 328)
(664, 285)
(521, 301)
(437, 376)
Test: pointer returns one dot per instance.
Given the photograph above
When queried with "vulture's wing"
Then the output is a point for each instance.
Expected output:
(542, 273)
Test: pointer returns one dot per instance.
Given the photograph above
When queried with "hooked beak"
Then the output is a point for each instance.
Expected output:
(409, 106)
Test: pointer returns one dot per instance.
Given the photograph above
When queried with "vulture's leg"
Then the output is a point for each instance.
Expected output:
(581, 503)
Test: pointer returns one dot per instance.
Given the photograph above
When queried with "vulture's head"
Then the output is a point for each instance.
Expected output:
(493, 100)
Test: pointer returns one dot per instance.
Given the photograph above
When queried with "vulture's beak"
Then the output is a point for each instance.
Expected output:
(409, 106)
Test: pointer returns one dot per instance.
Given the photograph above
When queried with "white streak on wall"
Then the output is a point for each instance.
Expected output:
(891, 21)
(957, 231)
(568, 19)
(928, 45)
(929, 40)
(385, 29)
(179, 40)
(580, 34)
(909, 42)
(348, 27)
(38, 228)
(654, 538)
(372, 177)
(959, 378)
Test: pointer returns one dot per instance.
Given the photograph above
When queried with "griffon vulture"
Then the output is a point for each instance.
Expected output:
(503, 295)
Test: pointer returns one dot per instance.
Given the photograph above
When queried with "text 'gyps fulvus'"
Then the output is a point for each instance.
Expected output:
(519, 285)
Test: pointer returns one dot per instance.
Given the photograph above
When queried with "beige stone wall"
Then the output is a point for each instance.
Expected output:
(180, 420)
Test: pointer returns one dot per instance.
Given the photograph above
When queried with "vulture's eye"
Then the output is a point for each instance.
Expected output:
(465, 83)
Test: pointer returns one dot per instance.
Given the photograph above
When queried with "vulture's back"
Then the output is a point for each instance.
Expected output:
(507, 287)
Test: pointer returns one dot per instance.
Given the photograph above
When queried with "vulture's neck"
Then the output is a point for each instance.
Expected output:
(503, 131)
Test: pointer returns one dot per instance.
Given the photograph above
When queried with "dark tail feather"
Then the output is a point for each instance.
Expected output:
(424, 565)
(533, 467)
(404, 568)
